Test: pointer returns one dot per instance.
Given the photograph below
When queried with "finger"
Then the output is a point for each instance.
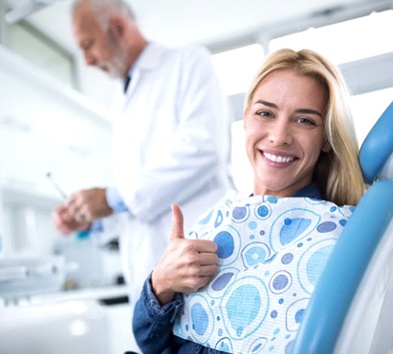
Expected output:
(72, 208)
(177, 223)
(80, 213)
(60, 217)
(59, 211)
(72, 199)
(208, 258)
(85, 214)
(198, 283)
(208, 270)
(64, 230)
(208, 246)
(74, 203)
(80, 218)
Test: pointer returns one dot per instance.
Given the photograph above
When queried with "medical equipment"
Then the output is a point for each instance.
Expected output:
(56, 185)
(25, 275)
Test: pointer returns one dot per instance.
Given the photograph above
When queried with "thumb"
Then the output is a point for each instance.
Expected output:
(177, 223)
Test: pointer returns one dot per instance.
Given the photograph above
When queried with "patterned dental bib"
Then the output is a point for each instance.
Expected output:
(271, 252)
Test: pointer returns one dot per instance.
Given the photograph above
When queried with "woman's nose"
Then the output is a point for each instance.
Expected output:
(280, 133)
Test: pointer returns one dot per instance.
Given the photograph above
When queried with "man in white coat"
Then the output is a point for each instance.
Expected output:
(170, 136)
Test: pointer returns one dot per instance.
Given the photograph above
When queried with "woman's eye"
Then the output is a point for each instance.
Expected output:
(264, 114)
(306, 121)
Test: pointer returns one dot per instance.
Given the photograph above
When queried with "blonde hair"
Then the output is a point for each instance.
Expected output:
(337, 172)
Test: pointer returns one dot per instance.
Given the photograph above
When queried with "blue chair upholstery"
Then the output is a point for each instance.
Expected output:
(375, 156)
(351, 309)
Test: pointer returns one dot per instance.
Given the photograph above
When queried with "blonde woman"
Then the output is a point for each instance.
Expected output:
(242, 278)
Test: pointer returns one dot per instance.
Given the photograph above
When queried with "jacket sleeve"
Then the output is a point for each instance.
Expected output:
(153, 323)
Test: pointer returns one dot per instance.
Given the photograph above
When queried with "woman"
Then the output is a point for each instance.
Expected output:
(252, 270)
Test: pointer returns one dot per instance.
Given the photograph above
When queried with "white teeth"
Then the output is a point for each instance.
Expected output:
(278, 159)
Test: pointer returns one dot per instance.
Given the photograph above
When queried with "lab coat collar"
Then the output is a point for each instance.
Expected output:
(147, 60)
(150, 57)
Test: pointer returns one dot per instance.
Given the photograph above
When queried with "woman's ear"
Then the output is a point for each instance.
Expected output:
(326, 146)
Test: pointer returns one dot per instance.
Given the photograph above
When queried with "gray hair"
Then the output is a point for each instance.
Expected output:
(104, 9)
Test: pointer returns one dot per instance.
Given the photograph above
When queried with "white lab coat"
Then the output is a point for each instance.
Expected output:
(170, 145)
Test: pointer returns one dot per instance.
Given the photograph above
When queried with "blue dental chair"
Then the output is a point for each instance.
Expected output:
(351, 310)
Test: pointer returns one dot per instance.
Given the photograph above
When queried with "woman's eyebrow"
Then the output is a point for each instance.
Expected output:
(309, 111)
(266, 103)
(300, 110)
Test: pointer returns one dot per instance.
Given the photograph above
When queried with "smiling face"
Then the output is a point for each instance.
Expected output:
(285, 132)
(98, 47)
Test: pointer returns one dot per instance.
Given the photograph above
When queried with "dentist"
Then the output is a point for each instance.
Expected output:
(170, 136)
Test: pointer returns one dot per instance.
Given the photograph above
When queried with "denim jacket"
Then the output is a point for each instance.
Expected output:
(153, 323)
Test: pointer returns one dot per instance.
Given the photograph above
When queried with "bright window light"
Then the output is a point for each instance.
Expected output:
(235, 68)
(345, 41)
(367, 108)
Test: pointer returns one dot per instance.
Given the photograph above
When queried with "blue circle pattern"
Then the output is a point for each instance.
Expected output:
(225, 244)
(197, 311)
(267, 275)
(280, 282)
(221, 282)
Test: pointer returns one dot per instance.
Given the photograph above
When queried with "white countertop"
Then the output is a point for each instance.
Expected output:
(87, 294)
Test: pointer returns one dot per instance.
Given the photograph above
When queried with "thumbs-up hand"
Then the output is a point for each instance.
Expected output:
(186, 265)
(177, 231)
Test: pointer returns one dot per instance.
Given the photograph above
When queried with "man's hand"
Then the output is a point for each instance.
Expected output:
(88, 205)
(63, 221)
(80, 210)
(186, 265)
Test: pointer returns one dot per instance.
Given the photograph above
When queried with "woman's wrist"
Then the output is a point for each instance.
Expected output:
(162, 294)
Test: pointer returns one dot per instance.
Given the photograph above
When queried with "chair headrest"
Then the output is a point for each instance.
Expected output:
(376, 152)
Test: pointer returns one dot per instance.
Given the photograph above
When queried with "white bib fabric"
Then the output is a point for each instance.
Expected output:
(271, 253)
